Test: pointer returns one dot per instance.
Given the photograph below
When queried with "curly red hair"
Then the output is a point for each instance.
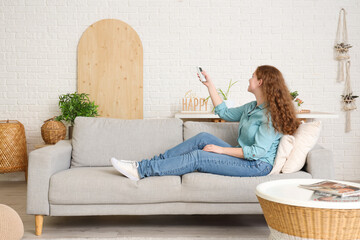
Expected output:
(278, 100)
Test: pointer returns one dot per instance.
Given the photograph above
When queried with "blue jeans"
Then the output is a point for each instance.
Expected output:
(188, 157)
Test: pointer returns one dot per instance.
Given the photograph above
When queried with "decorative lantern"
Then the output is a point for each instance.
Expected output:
(53, 131)
(13, 151)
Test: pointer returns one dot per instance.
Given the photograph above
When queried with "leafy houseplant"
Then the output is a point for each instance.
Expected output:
(297, 101)
(223, 94)
(294, 94)
(73, 105)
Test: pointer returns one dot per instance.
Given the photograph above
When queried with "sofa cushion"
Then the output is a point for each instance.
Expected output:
(306, 137)
(284, 149)
(225, 131)
(204, 187)
(104, 185)
(96, 140)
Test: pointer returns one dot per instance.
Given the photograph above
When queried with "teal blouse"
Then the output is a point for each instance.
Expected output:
(257, 137)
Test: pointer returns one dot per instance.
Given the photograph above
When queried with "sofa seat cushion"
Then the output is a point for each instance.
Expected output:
(205, 187)
(104, 185)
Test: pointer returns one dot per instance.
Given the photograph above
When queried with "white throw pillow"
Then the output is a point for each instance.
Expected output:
(286, 144)
(306, 136)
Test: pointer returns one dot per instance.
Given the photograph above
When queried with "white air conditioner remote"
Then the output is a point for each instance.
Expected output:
(199, 70)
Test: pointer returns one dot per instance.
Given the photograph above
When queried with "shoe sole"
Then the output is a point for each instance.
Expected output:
(124, 172)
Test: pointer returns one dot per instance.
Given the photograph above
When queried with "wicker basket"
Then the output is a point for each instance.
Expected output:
(312, 223)
(13, 152)
(53, 131)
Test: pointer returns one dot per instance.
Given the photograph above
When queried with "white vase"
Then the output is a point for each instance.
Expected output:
(297, 107)
(229, 103)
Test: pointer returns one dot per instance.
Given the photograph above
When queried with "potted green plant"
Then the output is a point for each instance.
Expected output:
(297, 101)
(73, 105)
(225, 95)
(294, 94)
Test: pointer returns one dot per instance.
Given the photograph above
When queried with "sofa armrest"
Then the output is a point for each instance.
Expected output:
(320, 163)
(43, 163)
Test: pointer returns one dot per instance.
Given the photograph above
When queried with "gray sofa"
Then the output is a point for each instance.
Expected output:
(75, 178)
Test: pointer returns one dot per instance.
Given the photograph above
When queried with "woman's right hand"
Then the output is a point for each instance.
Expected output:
(214, 95)
(207, 77)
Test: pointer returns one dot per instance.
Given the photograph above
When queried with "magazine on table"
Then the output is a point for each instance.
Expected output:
(334, 188)
(327, 197)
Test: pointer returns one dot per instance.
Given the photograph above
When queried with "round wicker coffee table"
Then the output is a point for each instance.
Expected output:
(291, 214)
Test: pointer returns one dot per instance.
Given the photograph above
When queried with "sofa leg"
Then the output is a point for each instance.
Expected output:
(39, 220)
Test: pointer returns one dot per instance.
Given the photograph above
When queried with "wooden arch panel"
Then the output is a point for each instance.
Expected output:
(110, 69)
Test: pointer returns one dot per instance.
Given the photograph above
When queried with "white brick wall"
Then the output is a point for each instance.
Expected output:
(229, 38)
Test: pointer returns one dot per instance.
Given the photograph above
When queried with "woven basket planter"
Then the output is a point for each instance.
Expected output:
(53, 131)
(13, 152)
(311, 223)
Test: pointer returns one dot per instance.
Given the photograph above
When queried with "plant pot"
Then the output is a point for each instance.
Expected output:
(71, 128)
(297, 107)
(53, 131)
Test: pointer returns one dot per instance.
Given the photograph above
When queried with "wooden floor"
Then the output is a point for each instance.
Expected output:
(177, 227)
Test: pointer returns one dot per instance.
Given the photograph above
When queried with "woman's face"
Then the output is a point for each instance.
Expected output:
(254, 83)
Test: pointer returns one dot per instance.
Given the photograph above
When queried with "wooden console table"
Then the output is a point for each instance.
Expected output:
(211, 117)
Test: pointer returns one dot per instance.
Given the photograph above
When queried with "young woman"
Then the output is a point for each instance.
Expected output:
(262, 124)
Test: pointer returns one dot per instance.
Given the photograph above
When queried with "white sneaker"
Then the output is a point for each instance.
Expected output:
(127, 168)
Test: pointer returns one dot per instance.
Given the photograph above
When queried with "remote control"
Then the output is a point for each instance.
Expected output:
(199, 70)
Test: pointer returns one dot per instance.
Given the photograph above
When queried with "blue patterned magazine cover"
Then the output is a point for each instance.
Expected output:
(327, 197)
(334, 188)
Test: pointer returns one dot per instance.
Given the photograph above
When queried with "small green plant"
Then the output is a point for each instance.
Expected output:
(221, 92)
(295, 99)
(76, 104)
(224, 95)
(299, 101)
(294, 94)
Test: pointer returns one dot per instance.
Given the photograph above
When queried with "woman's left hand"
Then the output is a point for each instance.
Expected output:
(213, 148)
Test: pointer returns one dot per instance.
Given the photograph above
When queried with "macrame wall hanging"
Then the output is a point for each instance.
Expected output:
(342, 55)
(348, 98)
(342, 46)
